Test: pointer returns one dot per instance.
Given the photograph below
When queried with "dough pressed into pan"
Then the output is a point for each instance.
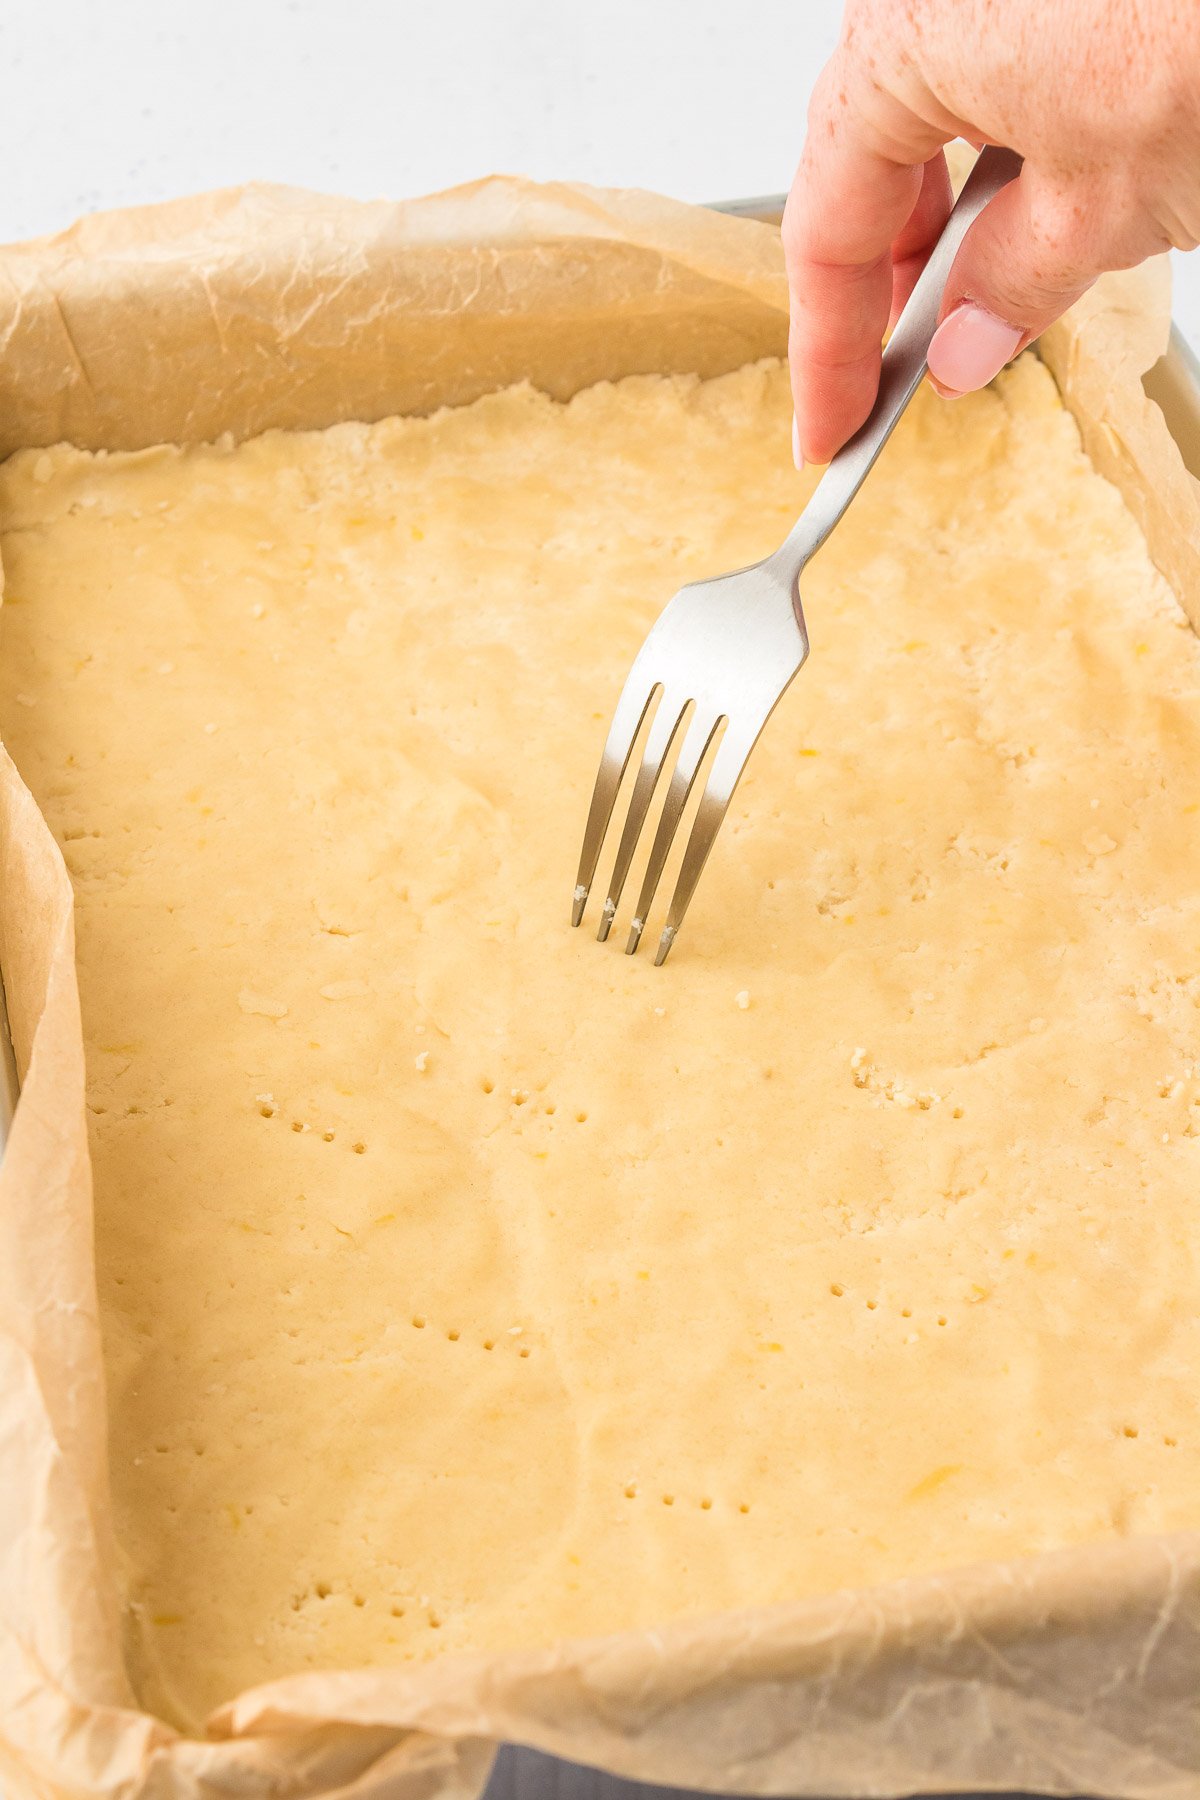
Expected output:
(466, 1285)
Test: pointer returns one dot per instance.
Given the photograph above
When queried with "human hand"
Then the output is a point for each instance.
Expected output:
(1100, 97)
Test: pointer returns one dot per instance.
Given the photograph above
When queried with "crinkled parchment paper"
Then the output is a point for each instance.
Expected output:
(238, 311)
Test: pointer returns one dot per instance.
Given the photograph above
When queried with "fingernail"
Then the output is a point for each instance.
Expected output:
(969, 348)
(797, 458)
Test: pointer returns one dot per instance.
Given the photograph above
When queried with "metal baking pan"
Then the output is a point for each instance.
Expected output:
(524, 1774)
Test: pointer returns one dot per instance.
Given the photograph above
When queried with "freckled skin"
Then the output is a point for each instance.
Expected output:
(1101, 99)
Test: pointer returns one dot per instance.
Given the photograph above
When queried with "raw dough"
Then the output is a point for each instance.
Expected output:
(465, 1284)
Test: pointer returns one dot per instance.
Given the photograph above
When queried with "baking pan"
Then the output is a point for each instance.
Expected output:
(1174, 384)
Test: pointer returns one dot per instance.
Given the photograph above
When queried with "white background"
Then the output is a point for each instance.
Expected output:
(112, 102)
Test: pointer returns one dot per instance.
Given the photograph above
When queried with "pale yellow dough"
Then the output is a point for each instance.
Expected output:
(466, 1285)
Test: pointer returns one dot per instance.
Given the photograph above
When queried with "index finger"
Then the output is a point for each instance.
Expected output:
(849, 203)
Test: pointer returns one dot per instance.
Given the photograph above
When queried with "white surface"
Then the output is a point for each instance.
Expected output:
(134, 100)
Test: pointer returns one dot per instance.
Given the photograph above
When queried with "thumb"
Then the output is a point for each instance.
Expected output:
(1025, 260)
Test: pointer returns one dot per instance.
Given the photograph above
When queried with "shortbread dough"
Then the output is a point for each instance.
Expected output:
(467, 1285)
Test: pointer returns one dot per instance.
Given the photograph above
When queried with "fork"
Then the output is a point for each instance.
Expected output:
(722, 652)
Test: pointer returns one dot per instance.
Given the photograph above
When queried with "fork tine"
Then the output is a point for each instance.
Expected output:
(618, 748)
(691, 755)
(726, 771)
(663, 732)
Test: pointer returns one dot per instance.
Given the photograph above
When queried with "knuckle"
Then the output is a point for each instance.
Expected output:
(821, 340)
(1025, 296)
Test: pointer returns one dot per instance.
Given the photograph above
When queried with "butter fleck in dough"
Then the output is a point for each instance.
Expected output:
(466, 1285)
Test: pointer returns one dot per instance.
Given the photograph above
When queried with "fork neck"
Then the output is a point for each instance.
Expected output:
(903, 365)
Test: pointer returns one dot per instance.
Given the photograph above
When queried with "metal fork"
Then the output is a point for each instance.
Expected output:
(722, 652)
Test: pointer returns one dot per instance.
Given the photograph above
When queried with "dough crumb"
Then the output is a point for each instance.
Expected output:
(250, 1002)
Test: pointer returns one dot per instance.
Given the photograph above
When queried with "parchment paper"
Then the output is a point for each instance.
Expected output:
(1078, 1671)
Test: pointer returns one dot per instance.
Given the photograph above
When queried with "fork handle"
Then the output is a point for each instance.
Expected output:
(903, 366)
